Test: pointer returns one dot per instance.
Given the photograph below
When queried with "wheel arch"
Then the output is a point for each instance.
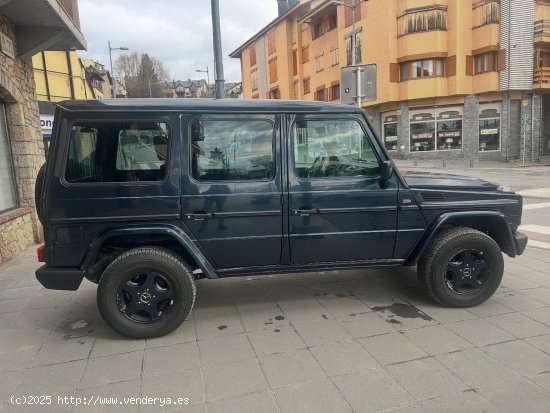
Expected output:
(492, 223)
(150, 235)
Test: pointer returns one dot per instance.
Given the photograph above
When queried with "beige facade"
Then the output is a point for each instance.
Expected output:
(429, 55)
(21, 146)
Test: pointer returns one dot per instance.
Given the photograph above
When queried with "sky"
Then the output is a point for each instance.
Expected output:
(177, 32)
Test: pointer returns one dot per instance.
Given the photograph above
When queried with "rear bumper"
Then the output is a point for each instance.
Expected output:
(520, 241)
(60, 278)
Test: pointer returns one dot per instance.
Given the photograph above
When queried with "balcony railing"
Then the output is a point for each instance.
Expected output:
(541, 78)
(542, 31)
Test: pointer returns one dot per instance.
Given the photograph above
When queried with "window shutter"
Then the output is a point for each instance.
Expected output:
(469, 65)
(501, 60)
(394, 72)
(450, 66)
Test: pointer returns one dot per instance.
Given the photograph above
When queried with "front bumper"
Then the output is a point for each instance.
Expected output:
(520, 241)
(60, 278)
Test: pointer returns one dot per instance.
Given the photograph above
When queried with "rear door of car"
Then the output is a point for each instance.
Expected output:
(110, 169)
(232, 193)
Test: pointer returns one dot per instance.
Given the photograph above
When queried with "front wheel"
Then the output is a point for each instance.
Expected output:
(462, 267)
(146, 292)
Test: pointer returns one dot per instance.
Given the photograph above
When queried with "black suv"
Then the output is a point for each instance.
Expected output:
(145, 196)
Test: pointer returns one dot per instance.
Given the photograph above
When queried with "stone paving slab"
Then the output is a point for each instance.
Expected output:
(336, 341)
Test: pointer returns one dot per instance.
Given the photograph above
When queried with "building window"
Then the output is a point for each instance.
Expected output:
(489, 128)
(318, 29)
(486, 62)
(349, 12)
(421, 69)
(275, 93)
(319, 63)
(273, 70)
(320, 94)
(307, 85)
(8, 195)
(236, 150)
(422, 19)
(332, 21)
(295, 87)
(254, 80)
(139, 152)
(335, 58)
(335, 91)
(305, 54)
(357, 49)
(271, 43)
(295, 62)
(436, 130)
(252, 51)
(390, 131)
(486, 12)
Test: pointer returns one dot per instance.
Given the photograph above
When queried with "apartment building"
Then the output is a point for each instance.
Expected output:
(454, 79)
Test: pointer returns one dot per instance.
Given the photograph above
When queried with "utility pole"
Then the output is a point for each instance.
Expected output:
(358, 70)
(111, 62)
(218, 58)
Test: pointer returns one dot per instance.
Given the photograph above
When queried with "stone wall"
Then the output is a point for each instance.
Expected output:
(20, 228)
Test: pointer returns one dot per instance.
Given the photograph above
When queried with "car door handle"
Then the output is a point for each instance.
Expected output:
(199, 216)
(303, 212)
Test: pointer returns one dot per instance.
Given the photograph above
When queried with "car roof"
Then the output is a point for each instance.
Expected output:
(205, 105)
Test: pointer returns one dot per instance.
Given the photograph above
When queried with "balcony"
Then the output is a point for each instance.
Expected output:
(542, 31)
(541, 78)
(44, 25)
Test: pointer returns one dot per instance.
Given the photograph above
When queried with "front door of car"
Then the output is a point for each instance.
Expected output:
(232, 195)
(338, 211)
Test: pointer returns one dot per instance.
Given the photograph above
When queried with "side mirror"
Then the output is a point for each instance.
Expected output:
(386, 172)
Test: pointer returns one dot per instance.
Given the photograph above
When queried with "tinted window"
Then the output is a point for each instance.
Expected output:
(333, 148)
(232, 150)
(117, 152)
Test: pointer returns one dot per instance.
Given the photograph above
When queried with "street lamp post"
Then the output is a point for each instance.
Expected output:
(207, 79)
(358, 70)
(111, 62)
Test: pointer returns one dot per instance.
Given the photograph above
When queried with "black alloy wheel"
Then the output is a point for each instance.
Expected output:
(467, 271)
(145, 297)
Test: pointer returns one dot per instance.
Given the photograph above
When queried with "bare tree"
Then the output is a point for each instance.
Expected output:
(142, 74)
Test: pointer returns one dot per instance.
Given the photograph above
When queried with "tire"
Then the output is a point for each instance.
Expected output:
(39, 191)
(128, 288)
(462, 267)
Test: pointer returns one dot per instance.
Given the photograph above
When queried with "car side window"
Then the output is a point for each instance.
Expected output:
(232, 150)
(117, 152)
(333, 148)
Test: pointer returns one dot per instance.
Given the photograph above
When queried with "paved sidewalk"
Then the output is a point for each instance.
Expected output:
(363, 341)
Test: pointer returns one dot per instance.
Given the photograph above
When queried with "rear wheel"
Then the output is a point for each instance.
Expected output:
(146, 292)
(462, 267)
(39, 191)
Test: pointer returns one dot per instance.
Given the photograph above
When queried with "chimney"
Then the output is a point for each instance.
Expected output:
(283, 6)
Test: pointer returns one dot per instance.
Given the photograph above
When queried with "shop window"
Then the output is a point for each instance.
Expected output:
(421, 69)
(489, 128)
(486, 62)
(307, 85)
(422, 19)
(390, 131)
(486, 12)
(436, 130)
(235, 150)
(8, 194)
